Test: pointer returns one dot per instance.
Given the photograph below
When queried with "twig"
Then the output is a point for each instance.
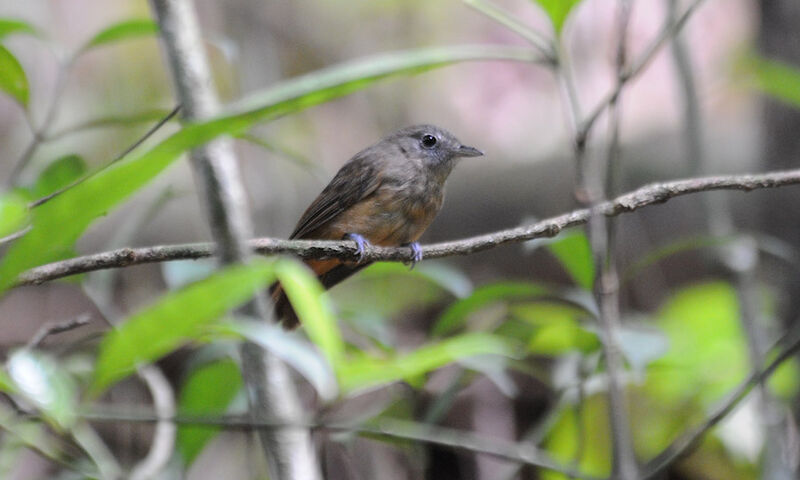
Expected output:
(49, 117)
(682, 445)
(668, 31)
(54, 328)
(119, 157)
(163, 443)
(539, 42)
(271, 394)
(385, 428)
(652, 194)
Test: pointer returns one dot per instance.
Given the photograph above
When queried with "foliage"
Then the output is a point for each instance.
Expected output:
(681, 359)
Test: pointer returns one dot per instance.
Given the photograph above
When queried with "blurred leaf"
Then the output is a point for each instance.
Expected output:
(680, 245)
(183, 272)
(440, 274)
(575, 255)
(592, 455)
(14, 213)
(9, 26)
(642, 346)
(557, 11)
(209, 390)
(777, 79)
(6, 384)
(41, 380)
(58, 223)
(119, 120)
(313, 308)
(30, 433)
(363, 372)
(59, 174)
(556, 328)
(13, 80)
(457, 314)
(299, 354)
(175, 318)
(123, 31)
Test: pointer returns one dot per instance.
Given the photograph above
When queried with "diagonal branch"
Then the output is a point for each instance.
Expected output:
(652, 194)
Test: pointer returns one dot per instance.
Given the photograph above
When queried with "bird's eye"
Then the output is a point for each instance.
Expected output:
(428, 141)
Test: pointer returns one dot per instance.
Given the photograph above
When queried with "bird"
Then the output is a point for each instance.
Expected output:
(387, 195)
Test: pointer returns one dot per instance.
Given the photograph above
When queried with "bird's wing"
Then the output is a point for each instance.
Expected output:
(357, 179)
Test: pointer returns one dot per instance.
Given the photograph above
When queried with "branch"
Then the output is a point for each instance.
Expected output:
(270, 392)
(652, 194)
(384, 428)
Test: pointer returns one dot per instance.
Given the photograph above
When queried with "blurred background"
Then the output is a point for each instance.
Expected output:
(697, 109)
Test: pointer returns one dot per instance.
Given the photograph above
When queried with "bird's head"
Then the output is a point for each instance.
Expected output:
(435, 147)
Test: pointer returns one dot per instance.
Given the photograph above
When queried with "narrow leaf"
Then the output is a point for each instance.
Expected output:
(10, 26)
(123, 31)
(59, 174)
(575, 255)
(777, 79)
(176, 318)
(311, 304)
(12, 77)
(365, 372)
(13, 213)
(558, 11)
(456, 316)
(209, 390)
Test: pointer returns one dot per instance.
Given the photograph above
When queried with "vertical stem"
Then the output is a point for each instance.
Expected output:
(271, 394)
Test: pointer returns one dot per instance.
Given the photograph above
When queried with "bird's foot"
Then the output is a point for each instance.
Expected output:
(417, 254)
(361, 245)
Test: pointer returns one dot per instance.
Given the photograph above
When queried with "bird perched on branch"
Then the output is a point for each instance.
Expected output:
(386, 195)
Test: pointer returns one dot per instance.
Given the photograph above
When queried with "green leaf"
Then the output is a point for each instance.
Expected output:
(680, 245)
(10, 26)
(364, 372)
(313, 308)
(558, 11)
(208, 391)
(14, 213)
(42, 381)
(124, 30)
(777, 79)
(6, 384)
(176, 318)
(58, 175)
(458, 313)
(58, 223)
(294, 351)
(13, 80)
(575, 255)
(556, 328)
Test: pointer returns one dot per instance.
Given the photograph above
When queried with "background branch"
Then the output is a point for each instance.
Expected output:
(271, 394)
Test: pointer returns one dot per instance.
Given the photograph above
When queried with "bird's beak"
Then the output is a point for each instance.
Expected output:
(465, 151)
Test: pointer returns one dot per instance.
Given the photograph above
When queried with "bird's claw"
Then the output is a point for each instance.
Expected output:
(416, 250)
(361, 245)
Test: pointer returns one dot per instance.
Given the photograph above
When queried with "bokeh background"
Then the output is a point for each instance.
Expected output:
(681, 296)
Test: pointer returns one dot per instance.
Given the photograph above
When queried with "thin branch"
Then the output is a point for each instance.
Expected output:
(539, 42)
(385, 428)
(49, 117)
(683, 445)
(55, 328)
(669, 30)
(119, 157)
(652, 194)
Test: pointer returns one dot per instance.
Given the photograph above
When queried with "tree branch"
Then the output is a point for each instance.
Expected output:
(652, 194)
(270, 392)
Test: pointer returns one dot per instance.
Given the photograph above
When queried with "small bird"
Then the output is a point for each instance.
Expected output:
(386, 195)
